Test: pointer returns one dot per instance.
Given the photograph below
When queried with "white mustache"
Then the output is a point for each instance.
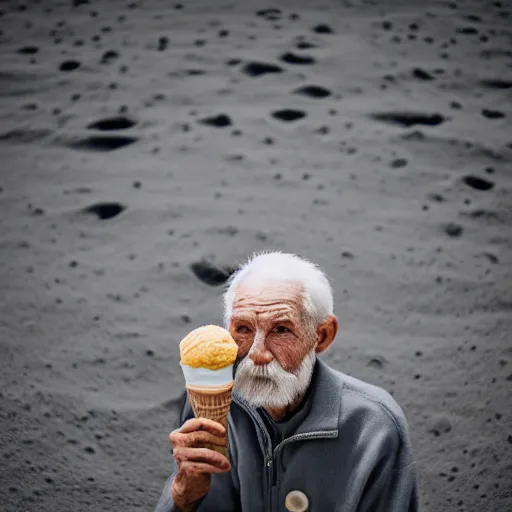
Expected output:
(270, 385)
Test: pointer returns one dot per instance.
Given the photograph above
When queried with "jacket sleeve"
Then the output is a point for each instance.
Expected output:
(391, 489)
(222, 496)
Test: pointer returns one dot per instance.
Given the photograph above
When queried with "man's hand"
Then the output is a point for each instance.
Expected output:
(195, 463)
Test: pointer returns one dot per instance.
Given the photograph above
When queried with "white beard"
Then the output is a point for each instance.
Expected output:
(271, 386)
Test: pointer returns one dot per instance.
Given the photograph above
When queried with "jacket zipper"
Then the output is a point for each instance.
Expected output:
(271, 457)
(267, 450)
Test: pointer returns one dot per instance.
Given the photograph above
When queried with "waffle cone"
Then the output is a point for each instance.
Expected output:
(212, 403)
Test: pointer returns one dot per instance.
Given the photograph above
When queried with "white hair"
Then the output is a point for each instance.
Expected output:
(278, 267)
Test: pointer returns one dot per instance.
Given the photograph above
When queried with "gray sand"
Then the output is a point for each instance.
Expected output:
(381, 149)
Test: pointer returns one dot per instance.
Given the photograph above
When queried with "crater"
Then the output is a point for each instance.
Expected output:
(218, 121)
(271, 14)
(109, 56)
(322, 28)
(69, 65)
(305, 45)
(423, 75)
(294, 58)
(478, 183)
(313, 91)
(211, 274)
(112, 123)
(102, 143)
(497, 83)
(255, 69)
(408, 119)
(25, 136)
(105, 210)
(453, 230)
(288, 114)
(28, 50)
(492, 114)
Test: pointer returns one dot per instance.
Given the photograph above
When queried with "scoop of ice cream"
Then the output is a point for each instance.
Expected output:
(210, 347)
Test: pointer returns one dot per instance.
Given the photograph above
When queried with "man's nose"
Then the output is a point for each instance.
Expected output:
(259, 353)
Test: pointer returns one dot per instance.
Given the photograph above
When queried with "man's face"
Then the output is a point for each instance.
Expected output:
(276, 343)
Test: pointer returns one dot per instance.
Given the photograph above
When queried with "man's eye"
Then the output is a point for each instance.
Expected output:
(242, 329)
(281, 329)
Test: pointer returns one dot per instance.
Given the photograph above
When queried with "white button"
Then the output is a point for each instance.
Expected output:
(296, 501)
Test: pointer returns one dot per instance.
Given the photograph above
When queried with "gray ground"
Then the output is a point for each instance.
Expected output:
(396, 180)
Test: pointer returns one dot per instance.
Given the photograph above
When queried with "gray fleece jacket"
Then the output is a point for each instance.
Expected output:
(351, 453)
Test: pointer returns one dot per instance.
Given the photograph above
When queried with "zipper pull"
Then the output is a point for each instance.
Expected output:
(269, 463)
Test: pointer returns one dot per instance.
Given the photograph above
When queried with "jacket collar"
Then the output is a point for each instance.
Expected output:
(324, 415)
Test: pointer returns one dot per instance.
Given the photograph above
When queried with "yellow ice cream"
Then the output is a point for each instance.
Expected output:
(210, 347)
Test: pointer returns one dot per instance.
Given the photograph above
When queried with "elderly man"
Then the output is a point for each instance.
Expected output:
(301, 436)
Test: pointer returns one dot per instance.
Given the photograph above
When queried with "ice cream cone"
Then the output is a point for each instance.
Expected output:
(212, 402)
(208, 354)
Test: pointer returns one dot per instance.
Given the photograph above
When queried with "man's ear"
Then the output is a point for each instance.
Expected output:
(326, 333)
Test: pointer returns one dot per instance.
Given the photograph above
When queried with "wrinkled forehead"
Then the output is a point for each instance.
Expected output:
(269, 300)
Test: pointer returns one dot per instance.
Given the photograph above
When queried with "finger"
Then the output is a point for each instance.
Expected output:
(193, 468)
(197, 439)
(193, 424)
(185, 454)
